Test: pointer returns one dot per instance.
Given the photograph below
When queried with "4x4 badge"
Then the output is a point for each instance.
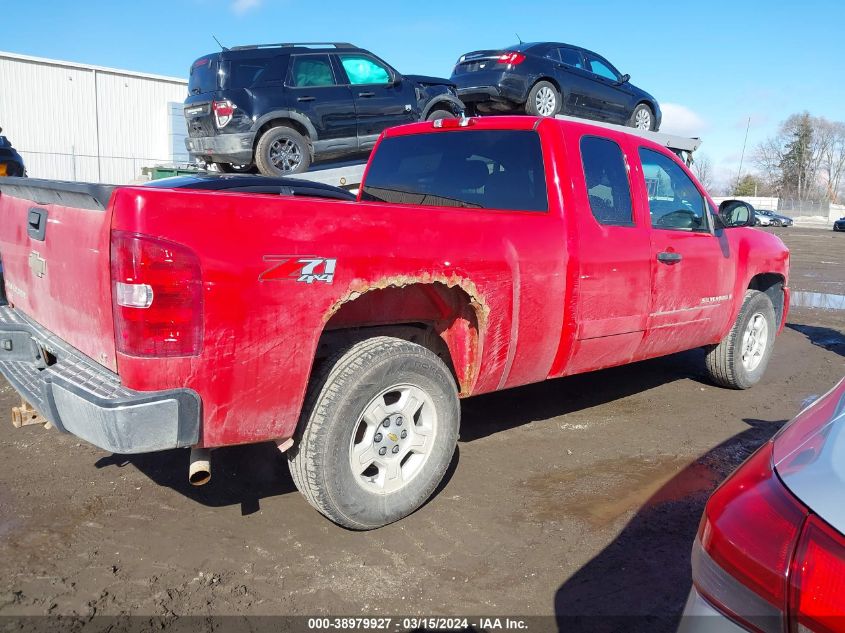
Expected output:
(305, 269)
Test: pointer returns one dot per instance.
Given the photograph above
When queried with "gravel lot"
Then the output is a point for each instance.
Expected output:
(576, 497)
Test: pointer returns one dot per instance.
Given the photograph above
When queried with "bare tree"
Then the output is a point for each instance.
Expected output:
(793, 161)
(703, 170)
(833, 158)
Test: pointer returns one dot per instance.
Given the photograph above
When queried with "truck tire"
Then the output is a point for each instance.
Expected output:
(740, 360)
(282, 151)
(379, 428)
(642, 118)
(440, 114)
(543, 100)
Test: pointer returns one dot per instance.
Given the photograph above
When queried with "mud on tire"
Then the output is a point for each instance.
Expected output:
(382, 409)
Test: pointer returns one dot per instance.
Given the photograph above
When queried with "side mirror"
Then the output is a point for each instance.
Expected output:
(735, 213)
(625, 78)
(395, 80)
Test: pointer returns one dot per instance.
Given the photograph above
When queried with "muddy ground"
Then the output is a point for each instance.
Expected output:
(577, 497)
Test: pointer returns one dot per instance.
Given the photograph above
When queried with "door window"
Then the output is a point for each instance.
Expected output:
(311, 71)
(601, 69)
(674, 202)
(571, 57)
(364, 70)
(606, 177)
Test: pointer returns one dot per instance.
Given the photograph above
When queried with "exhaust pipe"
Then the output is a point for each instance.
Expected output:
(199, 472)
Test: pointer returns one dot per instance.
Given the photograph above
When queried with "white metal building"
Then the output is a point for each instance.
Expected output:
(78, 122)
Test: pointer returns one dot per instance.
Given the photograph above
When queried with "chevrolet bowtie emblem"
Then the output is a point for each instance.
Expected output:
(37, 264)
(392, 437)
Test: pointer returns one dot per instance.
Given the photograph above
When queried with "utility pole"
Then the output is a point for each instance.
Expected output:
(742, 155)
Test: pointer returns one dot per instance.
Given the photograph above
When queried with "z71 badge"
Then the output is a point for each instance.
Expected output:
(306, 269)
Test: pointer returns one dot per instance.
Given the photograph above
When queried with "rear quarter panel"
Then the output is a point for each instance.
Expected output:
(261, 336)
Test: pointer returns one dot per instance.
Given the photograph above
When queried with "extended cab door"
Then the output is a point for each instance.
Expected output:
(614, 248)
(314, 92)
(693, 270)
(382, 98)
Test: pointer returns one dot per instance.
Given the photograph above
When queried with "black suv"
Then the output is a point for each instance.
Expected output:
(278, 107)
(11, 163)
(548, 78)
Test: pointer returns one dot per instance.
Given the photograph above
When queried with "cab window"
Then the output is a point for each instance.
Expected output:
(364, 70)
(606, 177)
(674, 202)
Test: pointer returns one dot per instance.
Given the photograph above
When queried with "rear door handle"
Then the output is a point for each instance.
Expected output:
(305, 98)
(366, 94)
(669, 258)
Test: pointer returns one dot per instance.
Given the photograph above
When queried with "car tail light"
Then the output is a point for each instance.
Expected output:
(223, 111)
(157, 297)
(514, 58)
(817, 601)
(746, 542)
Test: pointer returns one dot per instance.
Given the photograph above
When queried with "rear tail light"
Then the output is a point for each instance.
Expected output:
(514, 58)
(762, 559)
(817, 601)
(157, 297)
(223, 112)
(745, 544)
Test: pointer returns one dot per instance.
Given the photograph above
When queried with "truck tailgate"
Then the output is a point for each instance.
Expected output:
(54, 243)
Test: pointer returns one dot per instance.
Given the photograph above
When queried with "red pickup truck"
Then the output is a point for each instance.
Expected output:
(480, 254)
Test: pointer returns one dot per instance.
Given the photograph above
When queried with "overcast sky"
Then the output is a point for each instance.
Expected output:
(711, 65)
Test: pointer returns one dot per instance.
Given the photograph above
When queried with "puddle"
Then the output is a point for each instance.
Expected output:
(821, 300)
(604, 492)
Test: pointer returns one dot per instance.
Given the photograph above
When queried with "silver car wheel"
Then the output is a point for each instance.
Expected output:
(643, 119)
(754, 342)
(285, 154)
(545, 101)
(393, 439)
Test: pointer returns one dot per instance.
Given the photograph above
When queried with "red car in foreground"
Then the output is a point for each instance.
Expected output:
(481, 254)
(770, 552)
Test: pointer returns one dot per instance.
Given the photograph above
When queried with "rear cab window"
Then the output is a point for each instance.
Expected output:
(483, 169)
(606, 178)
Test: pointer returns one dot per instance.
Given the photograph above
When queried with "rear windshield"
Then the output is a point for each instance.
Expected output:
(203, 76)
(485, 169)
(237, 74)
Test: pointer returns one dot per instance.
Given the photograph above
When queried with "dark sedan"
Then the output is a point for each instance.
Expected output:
(548, 78)
(839, 225)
